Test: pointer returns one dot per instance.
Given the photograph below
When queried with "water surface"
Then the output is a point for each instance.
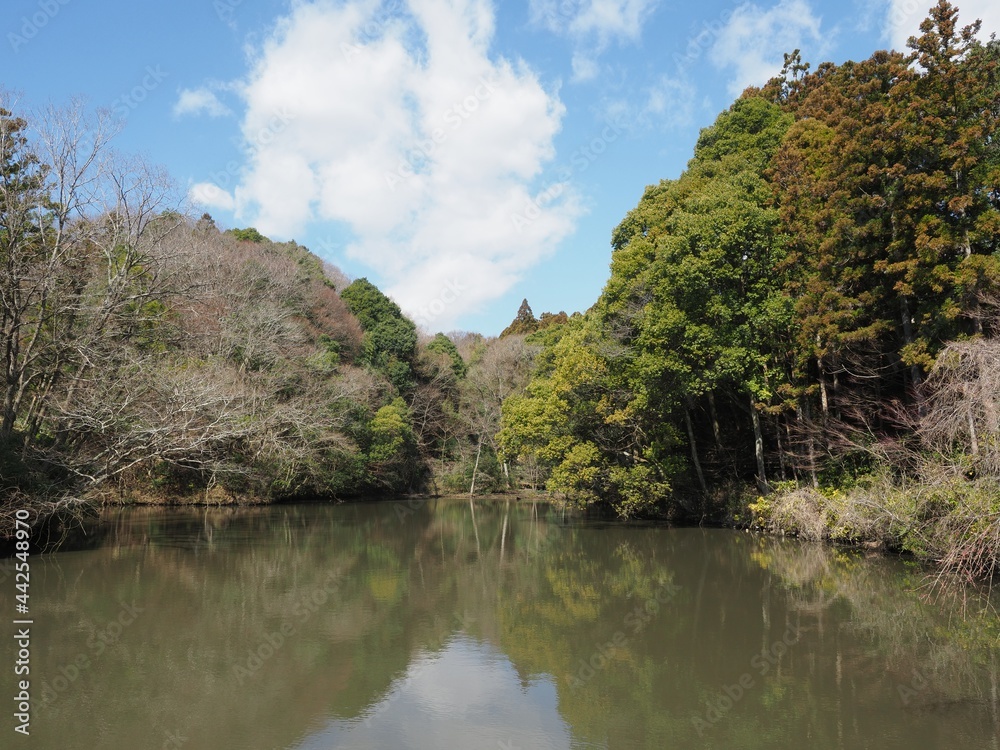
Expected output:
(444, 624)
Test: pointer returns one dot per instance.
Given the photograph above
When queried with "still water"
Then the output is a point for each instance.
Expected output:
(498, 625)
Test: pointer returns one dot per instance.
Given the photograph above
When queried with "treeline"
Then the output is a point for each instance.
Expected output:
(813, 301)
(149, 356)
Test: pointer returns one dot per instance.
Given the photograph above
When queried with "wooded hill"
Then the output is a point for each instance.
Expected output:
(149, 356)
(813, 301)
(812, 307)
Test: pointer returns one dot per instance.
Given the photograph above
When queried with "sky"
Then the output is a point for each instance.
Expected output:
(460, 154)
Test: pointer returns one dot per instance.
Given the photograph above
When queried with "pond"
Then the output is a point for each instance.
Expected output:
(499, 625)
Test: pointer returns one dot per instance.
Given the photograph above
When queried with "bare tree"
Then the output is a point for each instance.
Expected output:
(963, 403)
(79, 252)
(502, 370)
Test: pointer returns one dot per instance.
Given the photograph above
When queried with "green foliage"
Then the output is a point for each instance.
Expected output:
(831, 232)
(523, 323)
(526, 324)
(578, 422)
(579, 474)
(247, 235)
(392, 450)
(390, 339)
(441, 344)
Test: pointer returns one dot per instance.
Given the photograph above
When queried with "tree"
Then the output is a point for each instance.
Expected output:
(26, 218)
(524, 322)
(441, 344)
(392, 450)
(390, 340)
(694, 296)
(247, 235)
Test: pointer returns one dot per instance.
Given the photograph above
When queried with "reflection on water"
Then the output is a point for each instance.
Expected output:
(494, 625)
(467, 695)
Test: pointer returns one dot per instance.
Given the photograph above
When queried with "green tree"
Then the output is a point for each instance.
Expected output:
(441, 344)
(390, 339)
(524, 322)
(392, 452)
(694, 293)
(248, 234)
(27, 268)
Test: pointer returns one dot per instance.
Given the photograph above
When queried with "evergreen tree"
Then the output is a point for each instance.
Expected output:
(523, 323)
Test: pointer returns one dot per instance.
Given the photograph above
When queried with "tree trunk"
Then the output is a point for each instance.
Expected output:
(472, 487)
(804, 419)
(715, 420)
(694, 450)
(821, 368)
(791, 448)
(758, 445)
(10, 386)
(781, 455)
(972, 433)
(907, 320)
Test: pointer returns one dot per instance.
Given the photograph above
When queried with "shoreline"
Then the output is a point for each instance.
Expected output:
(950, 527)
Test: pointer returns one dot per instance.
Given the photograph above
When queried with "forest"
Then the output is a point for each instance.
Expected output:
(799, 333)
(151, 357)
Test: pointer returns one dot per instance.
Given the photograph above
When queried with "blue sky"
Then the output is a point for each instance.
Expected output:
(461, 154)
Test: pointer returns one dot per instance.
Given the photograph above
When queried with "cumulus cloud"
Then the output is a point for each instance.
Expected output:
(210, 195)
(754, 40)
(401, 127)
(903, 18)
(593, 25)
(198, 101)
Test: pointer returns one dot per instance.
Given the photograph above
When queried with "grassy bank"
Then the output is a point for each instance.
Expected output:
(950, 521)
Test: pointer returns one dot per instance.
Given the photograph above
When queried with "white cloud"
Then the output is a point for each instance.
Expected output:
(668, 104)
(196, 101)
(406, 131)
(456, 697)
(210, 195)
(585, 67)
(903, 18)
(671, 102)
(754, 41)
(593, 25)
